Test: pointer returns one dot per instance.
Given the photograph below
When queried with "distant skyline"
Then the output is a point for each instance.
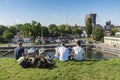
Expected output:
(55, 11)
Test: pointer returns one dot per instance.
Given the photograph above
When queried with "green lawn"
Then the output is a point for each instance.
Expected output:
(71, 70)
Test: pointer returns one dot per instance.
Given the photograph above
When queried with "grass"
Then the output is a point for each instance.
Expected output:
(71, 70)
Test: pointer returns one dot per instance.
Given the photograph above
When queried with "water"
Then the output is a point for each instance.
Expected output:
(97, 55)
(94, 55)
(90, 55)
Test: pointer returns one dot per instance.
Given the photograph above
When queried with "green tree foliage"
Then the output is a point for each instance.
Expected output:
(32, 30)
(7, 34)
(113, 31)
(2, 29)
(1, 39)
(88, 28)
(53, 29)
(62, 29)
(98, 33)
(26, 29)
(80, 32)
(76, 30)
(13, 30)
(18, 27)
(68, 30)
(45, 31)
(35, 29)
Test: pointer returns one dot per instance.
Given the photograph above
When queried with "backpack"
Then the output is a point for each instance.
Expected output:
(45, 62)
(24, 63)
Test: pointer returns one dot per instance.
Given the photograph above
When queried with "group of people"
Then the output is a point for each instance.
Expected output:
(25, 60)
(63, 53)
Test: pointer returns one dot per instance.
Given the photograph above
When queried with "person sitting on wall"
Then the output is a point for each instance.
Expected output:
(18, 51)
(56, 51)
(78, 52)
(63, 52)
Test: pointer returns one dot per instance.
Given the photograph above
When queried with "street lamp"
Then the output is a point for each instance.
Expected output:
(67, 25)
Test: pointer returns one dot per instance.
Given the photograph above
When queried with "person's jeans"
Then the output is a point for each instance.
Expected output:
(56, 56)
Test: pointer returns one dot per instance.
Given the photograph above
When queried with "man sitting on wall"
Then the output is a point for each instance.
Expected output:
(63, 52)
(18, 51)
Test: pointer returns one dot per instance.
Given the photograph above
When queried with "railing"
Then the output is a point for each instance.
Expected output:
(45, 46)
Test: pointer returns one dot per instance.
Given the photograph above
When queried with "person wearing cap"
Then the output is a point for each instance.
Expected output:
(63, 52)
(78, 52)
(18, 51)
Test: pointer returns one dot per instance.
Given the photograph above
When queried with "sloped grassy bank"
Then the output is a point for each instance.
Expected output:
(71, 70)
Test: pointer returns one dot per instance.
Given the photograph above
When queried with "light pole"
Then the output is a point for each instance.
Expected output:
(86, 50)
(28, 36)
(67, 25)
(67, 19)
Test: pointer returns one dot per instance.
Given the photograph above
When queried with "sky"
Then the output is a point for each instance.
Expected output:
(58, 11)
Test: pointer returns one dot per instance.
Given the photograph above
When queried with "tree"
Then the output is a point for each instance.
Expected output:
(26, 29)
(88, 28)
(113, 31)
(2, 29)
(18, 27)
(1, 39)
(12, 29)
(7, 34)
(45, 31)
(35, 29)
(80, 32)
(32, 29)
(75, 30)
(53, 30)
(62, 29)
(68, 30)
(98, 33)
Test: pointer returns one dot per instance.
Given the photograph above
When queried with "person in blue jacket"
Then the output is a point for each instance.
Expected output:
(18, 51)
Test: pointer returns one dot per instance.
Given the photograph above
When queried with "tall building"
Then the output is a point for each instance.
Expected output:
(93, 19)
(108, 23)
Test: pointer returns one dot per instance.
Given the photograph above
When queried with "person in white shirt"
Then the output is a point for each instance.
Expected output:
(56, 51)
(78, 52)
(63, 52)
